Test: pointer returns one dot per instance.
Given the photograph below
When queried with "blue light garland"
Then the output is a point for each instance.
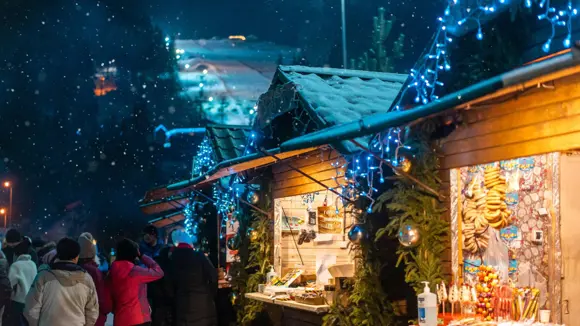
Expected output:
(203, 159)
(192, 221)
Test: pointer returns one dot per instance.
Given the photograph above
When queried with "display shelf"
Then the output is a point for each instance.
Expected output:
(290, 304)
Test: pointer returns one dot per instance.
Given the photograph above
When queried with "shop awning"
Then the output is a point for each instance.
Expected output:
(514, 80)
(237, 165)
(165, 204)
(167, 220)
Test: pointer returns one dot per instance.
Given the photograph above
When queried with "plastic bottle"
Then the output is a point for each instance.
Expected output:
(427, 303)
(271, 274)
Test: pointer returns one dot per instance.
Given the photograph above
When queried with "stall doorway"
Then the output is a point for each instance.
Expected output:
(570, 235)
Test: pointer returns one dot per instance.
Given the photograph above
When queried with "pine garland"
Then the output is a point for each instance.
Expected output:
(255, 231)
(259, 259)
(409, 204)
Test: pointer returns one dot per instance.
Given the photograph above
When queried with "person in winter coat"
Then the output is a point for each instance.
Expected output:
(127, 284)
(195, 283)
(21, 274)
(63, 294)
(13, 239)
(88, 260)
(5, 287)
(161, 292)
(42, 248)
(151, 245)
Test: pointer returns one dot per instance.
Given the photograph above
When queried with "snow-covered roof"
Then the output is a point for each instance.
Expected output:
(342, 95)
(332, 96)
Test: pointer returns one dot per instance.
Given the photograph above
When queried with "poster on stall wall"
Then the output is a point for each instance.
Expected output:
(329, 221)
(231, 231)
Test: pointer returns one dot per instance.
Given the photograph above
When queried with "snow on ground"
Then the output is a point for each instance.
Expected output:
(233, 74)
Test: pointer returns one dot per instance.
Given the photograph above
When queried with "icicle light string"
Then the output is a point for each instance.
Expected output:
(425, 81)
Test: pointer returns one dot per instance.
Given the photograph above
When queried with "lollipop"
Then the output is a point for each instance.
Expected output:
(442, 295)
(454, 296)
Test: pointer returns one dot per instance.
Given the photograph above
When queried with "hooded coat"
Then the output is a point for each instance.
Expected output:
(127, 287)
(22, 273)
(63, 294)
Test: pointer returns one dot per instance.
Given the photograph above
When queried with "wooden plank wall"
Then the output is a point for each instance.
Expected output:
(289, 255)
(317, 164)
(542, 120)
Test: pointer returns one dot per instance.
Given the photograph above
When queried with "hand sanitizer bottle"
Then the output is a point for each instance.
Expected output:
(270, 275)
(427, 303)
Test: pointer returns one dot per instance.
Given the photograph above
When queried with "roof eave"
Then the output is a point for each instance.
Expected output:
(383, 121)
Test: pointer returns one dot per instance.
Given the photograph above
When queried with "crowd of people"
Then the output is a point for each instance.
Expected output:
(68, 283)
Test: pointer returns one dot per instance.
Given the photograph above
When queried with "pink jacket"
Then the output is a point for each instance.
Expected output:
(127, 288)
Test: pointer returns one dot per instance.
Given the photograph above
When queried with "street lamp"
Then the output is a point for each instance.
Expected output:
(8, 184)
(3, 212)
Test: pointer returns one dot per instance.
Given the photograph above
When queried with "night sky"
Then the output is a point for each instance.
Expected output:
(81, 162)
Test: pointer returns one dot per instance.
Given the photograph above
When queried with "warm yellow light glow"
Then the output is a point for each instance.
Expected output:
(237, 37)
(94, 242)
(7, 184)
(2, 211)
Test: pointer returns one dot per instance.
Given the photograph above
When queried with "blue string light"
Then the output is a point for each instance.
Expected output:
(192, 221)
(203, 159)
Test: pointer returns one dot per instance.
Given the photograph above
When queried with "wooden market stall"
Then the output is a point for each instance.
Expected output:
(310, 213)
(509, 172)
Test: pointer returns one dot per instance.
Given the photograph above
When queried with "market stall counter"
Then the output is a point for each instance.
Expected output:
(288, 312)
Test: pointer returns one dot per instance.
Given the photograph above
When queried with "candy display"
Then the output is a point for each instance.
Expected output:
(526, 304)
(487, 282)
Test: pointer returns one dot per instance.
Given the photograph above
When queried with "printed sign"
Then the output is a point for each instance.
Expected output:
(509, 165)
(527, 163)
(329, 221)
(512, 199)
(513, 267)
(509, 233)
(471, 266)
(312, 218)
(473, 169)
(292, 222)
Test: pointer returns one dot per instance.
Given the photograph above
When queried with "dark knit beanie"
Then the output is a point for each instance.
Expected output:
(67, 249)
(13, 236)
(127, 250)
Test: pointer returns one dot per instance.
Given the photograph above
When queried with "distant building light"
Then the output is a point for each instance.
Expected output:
(237, 37)
(201, 85)
(177, 56)
(210, 99)
(252, 111)
(205, 71)
(187, 66)
(167, 39)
